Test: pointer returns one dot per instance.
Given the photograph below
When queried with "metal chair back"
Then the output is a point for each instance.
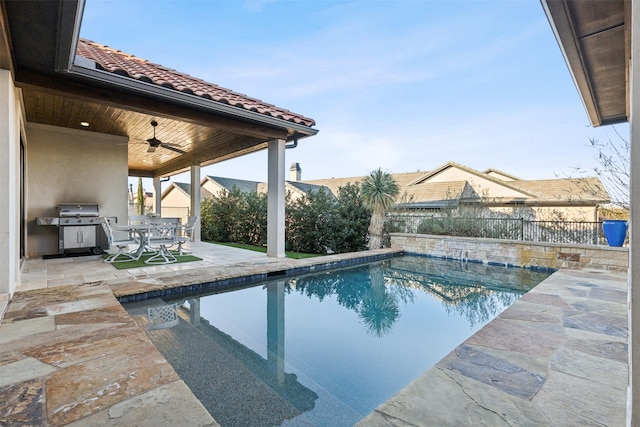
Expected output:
(163, 231)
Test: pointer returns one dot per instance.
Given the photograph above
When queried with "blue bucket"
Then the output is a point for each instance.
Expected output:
(615, 230)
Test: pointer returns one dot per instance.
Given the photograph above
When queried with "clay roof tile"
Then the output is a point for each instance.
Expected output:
(121, 63)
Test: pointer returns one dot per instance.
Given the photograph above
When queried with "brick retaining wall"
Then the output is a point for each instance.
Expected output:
(513, 252)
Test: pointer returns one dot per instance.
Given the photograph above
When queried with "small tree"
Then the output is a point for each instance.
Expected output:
(613, 157)
(379, 192)
(141, 197)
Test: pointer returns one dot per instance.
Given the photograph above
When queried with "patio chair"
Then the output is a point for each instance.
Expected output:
(186, 233)
(122, 245)
(162, 234)
(138, 219)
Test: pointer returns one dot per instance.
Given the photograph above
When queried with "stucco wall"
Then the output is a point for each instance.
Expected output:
(212, 188)
(10, 119)
(176, 203)
(175, 198)
(72, 166)
(515, 253)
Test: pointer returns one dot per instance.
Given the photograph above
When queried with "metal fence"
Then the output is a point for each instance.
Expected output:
(578, 232)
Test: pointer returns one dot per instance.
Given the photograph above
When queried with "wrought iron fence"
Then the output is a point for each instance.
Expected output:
(578, 232)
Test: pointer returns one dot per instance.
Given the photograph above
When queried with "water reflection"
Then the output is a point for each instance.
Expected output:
(474, 291)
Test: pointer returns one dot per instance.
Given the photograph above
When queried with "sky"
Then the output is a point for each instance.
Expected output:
(404, 85)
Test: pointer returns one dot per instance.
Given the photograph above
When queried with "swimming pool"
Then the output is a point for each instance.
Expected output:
(327, 348)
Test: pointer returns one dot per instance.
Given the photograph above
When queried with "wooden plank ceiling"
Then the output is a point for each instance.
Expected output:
(202, 144)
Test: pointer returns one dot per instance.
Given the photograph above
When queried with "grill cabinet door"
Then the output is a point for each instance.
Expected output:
(79, 237)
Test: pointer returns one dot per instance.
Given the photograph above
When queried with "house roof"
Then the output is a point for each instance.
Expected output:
(333, 184)
(471, 171)
(228, 183)
(306, 187)
(124, 64)
(498, 174)
(185, 189)
(586, 190)
(436, 191)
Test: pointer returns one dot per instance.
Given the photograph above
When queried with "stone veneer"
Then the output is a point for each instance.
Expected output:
(514, 253)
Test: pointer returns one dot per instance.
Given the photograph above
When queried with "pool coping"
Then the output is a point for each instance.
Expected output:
(203, 281)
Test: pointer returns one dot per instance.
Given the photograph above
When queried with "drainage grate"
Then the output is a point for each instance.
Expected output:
(161, 317)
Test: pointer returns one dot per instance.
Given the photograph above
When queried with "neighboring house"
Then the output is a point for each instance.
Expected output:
(216, 184)
(452, 184)
(176, 198)
(447, 186)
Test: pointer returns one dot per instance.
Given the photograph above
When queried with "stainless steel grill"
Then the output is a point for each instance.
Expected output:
(78, 225)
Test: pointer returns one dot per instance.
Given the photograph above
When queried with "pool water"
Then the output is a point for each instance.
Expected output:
(326, 349)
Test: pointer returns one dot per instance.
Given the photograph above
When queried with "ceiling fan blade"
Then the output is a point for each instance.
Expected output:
(172, 148)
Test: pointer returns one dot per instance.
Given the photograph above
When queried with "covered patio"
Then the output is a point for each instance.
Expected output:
(81, 117)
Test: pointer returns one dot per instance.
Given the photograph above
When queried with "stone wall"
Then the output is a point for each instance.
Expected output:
(514, 253)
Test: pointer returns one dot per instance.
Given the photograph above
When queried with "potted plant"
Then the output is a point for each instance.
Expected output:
(615, 230)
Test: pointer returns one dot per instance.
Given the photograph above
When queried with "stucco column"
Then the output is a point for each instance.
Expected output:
(195, 200)
(10, 188)
(633, 404)
(276, 196)
(157, 195)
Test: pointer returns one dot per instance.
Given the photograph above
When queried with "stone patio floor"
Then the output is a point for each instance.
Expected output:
(71, 355)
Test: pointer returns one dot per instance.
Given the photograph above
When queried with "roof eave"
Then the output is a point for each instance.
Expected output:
(575, 57)
(295, 130)
(562, 30)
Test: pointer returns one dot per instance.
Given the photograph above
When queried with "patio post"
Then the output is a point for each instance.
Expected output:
(157, 195)
(195, 200)
(276, 196)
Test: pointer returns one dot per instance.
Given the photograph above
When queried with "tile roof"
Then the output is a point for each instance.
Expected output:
(243, 185)
(306, 187)
(575, 189)
(124, 64)
(186, 189)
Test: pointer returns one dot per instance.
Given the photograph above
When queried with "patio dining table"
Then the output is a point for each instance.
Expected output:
(142, 230)
(159, 230)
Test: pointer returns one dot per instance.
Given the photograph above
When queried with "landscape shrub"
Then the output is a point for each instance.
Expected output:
(317, 223)
(309, 220)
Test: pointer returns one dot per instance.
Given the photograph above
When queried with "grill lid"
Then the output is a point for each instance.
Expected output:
(78, 209)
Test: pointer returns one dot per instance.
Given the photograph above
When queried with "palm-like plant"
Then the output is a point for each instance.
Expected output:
(379, 191)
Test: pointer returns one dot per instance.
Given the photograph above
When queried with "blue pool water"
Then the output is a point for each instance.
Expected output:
(327, 348)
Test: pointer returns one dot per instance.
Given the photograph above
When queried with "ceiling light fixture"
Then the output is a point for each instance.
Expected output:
(84, 124)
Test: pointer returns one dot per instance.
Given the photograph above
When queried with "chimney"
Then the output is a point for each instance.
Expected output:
(295, 173)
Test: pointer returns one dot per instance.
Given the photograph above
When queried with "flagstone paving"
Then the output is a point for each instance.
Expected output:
(71, 355)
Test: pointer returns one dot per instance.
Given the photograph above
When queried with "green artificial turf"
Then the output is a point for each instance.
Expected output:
(293, 255)
(122, 265)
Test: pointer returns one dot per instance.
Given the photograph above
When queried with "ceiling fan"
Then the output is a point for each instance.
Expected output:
(155, 142)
